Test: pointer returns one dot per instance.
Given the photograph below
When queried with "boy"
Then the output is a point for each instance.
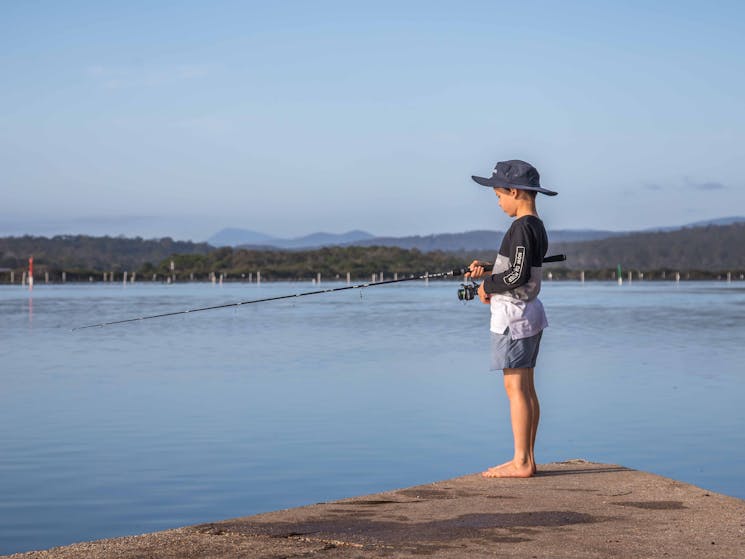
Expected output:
(517, 315)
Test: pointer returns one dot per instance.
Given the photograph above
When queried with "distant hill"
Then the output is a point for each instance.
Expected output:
(718, 221)
(475, 240)
(467, 241)
(489, 240)
(443, 241)
(251, 239)
(712, 247)
(470, 240)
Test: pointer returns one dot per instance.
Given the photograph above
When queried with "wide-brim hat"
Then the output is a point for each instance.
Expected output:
(515, 174)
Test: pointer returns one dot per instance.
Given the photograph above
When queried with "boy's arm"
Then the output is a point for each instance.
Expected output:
(518, 246)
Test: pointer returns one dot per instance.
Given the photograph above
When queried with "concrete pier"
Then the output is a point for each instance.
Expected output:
(573, 509)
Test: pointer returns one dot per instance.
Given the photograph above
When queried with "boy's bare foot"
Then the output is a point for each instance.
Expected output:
(495, 468)
(510, 469)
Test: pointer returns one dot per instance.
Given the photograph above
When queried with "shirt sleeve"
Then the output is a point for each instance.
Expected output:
(518, 246)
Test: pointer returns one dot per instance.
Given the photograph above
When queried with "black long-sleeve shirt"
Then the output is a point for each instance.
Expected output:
(523, 247)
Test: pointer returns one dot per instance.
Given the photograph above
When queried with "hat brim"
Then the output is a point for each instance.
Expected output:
(493, 183)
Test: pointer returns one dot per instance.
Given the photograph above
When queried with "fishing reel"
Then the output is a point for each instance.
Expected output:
(468, 291)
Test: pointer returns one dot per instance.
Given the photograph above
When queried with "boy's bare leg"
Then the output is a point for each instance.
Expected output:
(524, 414)
(535, 418)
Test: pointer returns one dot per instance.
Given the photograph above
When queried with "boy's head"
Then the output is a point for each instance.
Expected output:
(514, 200)
(515, 174)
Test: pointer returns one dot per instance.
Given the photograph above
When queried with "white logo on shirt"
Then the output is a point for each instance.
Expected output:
(517, 266)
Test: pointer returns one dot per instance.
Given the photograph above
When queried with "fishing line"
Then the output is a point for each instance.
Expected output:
(450, 273)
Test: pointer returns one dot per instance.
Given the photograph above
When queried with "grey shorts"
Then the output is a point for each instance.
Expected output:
(507, 353)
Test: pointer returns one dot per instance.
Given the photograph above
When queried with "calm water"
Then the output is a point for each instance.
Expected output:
(195, 418)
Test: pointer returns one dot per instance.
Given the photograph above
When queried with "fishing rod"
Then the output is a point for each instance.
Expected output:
(450, 273)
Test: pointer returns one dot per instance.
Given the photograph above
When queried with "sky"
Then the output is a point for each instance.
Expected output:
(182, 118)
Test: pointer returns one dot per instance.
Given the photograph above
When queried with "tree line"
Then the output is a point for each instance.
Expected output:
(697, 253)
(83, 258)
(86, 254)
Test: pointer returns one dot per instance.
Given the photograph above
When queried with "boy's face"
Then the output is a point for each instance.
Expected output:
(507, 200)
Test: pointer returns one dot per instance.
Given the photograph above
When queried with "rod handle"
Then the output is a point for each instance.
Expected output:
(555, 258)
(490, 267)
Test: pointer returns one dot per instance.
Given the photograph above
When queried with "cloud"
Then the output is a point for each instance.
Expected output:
(710, 185)
(111, 77)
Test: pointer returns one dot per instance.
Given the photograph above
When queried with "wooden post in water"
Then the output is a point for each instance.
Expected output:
(349, 278)
(104, 277)
(12, 276)
(318, 278)
(23, 279)
(395, 276)
(124, 279)
(629, 276)
(729, 277)
(582, 276)
(374, 277)
(221, 278)
(677, 277)
(134, 275)
(250, 277)
(155, 277)
(258, 277)
(64, 277)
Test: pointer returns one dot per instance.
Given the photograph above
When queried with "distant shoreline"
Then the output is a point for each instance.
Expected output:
(594, 276)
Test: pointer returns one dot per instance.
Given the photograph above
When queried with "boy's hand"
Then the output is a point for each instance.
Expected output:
(483, 295)
(477, 270)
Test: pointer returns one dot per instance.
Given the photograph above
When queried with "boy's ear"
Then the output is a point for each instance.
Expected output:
(519, 193)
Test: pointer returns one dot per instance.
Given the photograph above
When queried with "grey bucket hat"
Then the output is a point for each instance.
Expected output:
(515, 174)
